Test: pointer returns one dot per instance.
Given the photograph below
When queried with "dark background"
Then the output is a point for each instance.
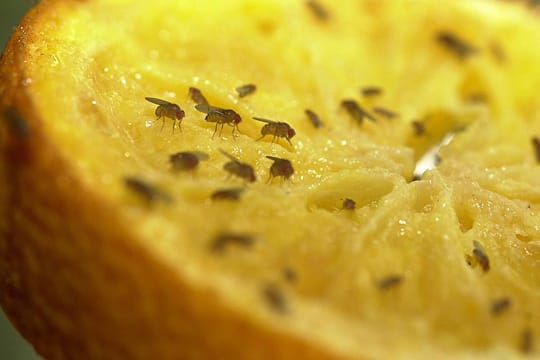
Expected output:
(12, 346)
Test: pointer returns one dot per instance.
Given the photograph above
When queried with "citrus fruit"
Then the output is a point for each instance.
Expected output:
(246, 179)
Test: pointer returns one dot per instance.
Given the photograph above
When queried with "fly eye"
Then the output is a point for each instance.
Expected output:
(291, 133)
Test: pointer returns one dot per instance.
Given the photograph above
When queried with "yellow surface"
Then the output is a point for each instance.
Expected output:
(83, 70)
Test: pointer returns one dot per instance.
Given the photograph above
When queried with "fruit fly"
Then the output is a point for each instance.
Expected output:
(479, 256)
(276, 128)
(169, 110)
(419, 127)
(274, 298)
(150, 193)
(227, 194)
(17, 124)
(186, 160)
(369, 91)
(526, 341)
(197, 96)
(318, 10)
(222, 241)
(389, 282)
(246, 90)
(280, 167)
(356, 111)
(289, 274)
(389, 114)
(314, 118)
(536, 145)
(239, 169)
(220, 116)
(500, 305)
(456, 45)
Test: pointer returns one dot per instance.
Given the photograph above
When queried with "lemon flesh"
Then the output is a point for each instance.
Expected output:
(98, 60)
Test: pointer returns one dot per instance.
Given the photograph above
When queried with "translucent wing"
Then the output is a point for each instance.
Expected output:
(264, 120)
(158, 101)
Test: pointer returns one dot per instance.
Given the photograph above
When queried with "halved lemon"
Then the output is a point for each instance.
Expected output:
(130, 230)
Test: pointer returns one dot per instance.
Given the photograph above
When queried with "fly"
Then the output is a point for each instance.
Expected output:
(369, 91)
(389, 114)
(280, 167)
(536, 145)
(314, 118)
(246, 90)
(275, 298)
(169, 110)
(419, 127)
(150, 193)
(197, 96)
(481, 256)
(186, 160)
(500, 305)
(224, 240)
(239, 169)
(456, 45)
(356, 111)
(318, 10)
(227, 194)
(220, 116)
(276, 128)
(389, 282)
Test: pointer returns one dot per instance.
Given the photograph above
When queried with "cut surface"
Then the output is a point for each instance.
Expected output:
(399, 275)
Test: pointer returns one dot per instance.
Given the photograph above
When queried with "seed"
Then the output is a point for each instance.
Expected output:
(389, 282)
(314, 118)
(224, 240)
(275, 299)
(348, 204)
(456, 45)
(500, 305)
(246, 90)
(150, 193)
(227, 194)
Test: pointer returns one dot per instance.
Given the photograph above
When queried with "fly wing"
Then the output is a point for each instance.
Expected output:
(273, 158)
(264, 120)
(204, 108)
(200, 155)
(157, 101)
